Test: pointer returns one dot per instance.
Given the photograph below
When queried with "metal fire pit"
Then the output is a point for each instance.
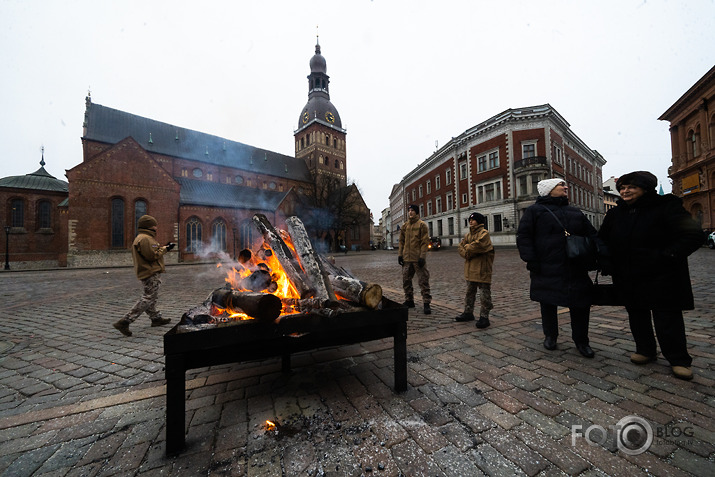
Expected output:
(253, 339)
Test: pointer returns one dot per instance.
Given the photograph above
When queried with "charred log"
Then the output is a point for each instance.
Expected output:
(282, 252)
(316, 275)
(350, 288)
(262, 306)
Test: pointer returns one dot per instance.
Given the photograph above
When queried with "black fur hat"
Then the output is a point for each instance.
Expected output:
(643, 179)
(478, 217)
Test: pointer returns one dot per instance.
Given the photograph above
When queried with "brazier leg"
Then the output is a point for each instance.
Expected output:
(400, 350)
(175, 403)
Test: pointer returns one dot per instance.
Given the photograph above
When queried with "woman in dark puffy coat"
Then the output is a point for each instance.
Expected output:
(649, 238)
(555, 280)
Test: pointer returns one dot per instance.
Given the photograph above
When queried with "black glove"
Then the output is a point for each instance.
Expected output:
(421, 262)
(170, 246)
(400, 260)
(533, 266)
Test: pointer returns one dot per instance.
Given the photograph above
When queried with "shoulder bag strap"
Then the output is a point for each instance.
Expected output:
(566, 232)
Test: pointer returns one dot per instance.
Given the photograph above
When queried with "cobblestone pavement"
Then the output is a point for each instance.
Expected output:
(79, 399)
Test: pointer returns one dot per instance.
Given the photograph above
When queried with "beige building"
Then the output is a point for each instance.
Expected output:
(692, 133)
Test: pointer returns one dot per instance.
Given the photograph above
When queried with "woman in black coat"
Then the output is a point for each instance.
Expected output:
(555, 280)
(649, 238)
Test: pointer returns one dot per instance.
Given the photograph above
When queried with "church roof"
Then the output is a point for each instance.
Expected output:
(215, 194)
(110, 126)
(38, 180)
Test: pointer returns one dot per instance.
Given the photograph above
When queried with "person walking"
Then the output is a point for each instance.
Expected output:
(412, 253)
(148, 258)
(649, 238)
(478, 253)
(556, 280)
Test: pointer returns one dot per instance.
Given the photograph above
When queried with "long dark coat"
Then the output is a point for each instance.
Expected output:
(649, 242)
(542, 244)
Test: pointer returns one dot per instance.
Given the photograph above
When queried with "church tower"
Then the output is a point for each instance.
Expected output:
(320, 137)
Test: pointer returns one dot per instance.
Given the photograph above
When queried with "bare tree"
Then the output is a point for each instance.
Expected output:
(334, 210)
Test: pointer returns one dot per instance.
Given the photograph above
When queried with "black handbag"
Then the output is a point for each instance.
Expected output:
(605, 294)
(579, 248)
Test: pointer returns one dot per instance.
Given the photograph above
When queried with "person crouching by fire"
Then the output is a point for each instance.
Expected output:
(148, 257)
(478, 253)
(414, 238)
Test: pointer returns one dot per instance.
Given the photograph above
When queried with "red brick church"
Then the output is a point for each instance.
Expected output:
(202, 189)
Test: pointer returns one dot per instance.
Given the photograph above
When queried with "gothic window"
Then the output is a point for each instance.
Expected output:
(44, 214)
(218, 232)
(139, 210)
(117, 222)
(337, 163)
(193, 235)
(17, 217)
(248, 234)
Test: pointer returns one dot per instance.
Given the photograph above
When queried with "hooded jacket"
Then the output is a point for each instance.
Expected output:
(649, 242)
(478, 253)
(542, 244)
(414, 238)
(148, 254)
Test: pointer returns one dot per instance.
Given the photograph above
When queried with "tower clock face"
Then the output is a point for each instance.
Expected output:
(305, 117)
(329, 117)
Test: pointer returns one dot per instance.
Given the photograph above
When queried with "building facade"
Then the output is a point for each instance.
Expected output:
(34, 209)
(493, 168)
(692, 134)
(203, 189)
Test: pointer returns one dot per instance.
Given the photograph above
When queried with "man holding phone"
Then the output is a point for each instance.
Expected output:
(148, 257)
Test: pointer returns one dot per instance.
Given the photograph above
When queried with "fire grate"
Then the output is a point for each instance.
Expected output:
(255, 339)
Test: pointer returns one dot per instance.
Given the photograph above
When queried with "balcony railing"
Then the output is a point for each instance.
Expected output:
(535, 161)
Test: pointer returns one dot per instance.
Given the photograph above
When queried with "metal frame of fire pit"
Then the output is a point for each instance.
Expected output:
(252, 340)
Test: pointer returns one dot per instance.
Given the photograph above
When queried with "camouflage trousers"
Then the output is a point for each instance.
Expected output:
(408, 271)
(485, 298)
(147, 303)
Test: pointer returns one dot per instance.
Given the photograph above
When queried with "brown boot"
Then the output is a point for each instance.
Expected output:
(160, 321)
(123, 327)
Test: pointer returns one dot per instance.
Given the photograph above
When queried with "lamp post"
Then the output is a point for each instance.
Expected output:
(7, 247)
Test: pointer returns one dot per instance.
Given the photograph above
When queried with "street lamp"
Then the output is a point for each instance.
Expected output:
(7, 247)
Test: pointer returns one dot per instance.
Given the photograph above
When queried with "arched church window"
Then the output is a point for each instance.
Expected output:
(139, 210)
(117, 222)
(193, 235)
(337, 163)
(218, 235)
(44, 214)
(342, 165)
(17, 216)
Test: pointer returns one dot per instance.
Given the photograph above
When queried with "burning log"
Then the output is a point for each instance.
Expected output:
(315, 273)
(347, 286)
(262, 306)
(284, 255)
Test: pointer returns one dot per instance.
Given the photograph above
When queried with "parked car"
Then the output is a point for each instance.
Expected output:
(435, 243)
(711, 240)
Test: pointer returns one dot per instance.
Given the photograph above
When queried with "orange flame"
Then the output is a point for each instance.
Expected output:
(266, 259)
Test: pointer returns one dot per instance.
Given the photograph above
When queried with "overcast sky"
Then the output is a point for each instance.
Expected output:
(403, 74)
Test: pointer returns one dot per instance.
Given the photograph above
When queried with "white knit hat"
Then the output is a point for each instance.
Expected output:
(547, 185)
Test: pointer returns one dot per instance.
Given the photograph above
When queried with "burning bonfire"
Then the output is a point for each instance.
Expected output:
(284, 277)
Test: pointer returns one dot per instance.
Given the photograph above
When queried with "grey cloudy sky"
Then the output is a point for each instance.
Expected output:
(404, 74)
